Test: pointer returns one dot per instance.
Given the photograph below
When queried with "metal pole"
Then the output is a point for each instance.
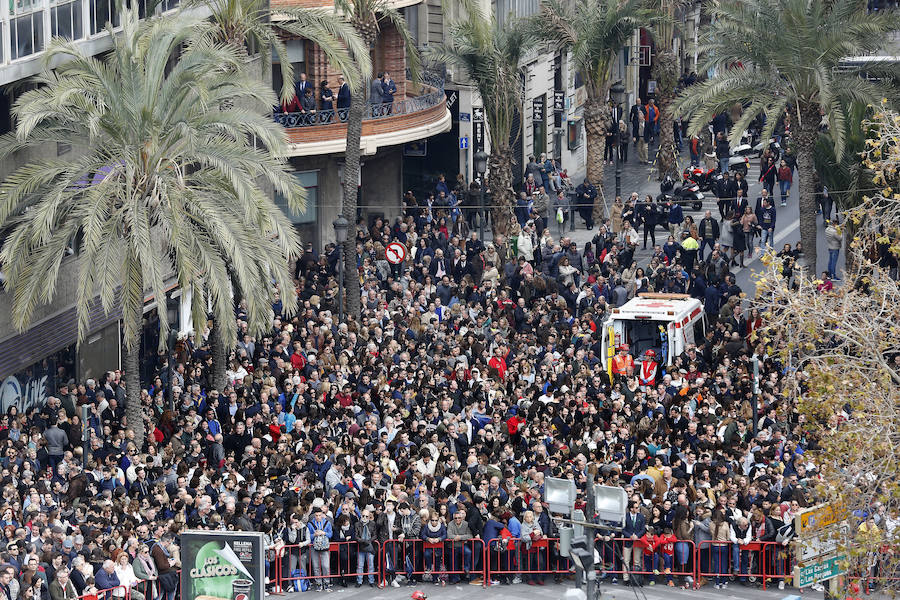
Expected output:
(618, 164)
(755, 395)
(572, 211)
(85, 437)
(340, 283)
(171, 373)
(482, 217)
(591, 581)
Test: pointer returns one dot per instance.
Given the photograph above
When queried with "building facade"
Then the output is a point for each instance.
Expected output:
(35, 362)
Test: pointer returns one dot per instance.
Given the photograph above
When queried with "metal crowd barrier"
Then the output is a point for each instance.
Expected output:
(294, 563)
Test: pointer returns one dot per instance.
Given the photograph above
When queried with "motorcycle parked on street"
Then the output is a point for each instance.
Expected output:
(685, 193)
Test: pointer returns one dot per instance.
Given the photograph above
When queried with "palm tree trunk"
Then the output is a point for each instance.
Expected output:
(666, 73)
(134, 410)
(807, 134)
(348, 206)
(219, 356)
(500, 183)
(596, 121)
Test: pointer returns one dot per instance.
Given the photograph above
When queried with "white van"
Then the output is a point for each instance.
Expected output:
(665, 323)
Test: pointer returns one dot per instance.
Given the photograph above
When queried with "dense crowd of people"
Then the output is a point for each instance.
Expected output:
(471, 375)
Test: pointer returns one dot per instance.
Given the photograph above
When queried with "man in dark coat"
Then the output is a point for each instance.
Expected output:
(388, 89)
(709, 233)
(343, 95)
(584, 200)
(376, 93)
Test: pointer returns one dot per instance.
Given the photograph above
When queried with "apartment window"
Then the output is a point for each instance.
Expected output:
(506, 9)
(103, 12)
(296, 55)
(411, 15)
(26, 29)
(168, 5)
(65, 20)
(310, 181)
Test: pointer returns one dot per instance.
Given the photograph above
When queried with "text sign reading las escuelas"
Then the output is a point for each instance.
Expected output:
(828, 568)
(820, 517)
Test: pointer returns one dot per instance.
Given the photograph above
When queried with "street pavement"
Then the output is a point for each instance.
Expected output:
(639, 178)
(552, 592)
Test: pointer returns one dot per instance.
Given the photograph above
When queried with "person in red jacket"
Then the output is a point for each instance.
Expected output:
(498, 361)
(649, 370)
(645, 542)
(785, 179)
(665, 551)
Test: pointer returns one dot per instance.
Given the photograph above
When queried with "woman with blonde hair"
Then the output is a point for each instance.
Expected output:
(534, 547)
(615, 215)
(623, 142)
(128, 580)
(638, 136)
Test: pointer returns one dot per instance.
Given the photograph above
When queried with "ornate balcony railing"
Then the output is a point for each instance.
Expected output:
(433, 85)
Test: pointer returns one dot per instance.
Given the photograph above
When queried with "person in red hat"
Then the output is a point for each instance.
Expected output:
(649, 369)
(622, 361)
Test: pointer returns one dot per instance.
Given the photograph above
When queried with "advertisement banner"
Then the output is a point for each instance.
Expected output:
(222, 565)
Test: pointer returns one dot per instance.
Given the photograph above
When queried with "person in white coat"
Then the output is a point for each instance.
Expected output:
(526, 242)
(127, 579)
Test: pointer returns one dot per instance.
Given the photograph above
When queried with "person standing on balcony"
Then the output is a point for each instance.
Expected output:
(308, 105)
(327, 98)
(376, 94)
(300, 88)
(343, 98)
(388, 89)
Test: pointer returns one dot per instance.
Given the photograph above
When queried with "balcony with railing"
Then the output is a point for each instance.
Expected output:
(420, 113)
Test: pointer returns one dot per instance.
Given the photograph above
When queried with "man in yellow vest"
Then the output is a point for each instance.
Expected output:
(622, 361)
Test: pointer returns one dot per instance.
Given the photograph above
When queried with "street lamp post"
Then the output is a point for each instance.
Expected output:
(341, 225)
(616, 93)
(755, 361)
(481, 159)
(172, 316)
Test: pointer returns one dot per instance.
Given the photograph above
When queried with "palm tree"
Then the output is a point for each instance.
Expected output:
(252, 25)
(777, 55)
(169, 182)
(594, 31)
(665, 72)
(491, 55)
(366, 17)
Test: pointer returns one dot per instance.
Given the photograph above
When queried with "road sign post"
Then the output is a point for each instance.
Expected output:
(395, 253)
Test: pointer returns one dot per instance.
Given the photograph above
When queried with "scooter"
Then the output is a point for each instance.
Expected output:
(686, 194)
(751, 145)
(738, 164)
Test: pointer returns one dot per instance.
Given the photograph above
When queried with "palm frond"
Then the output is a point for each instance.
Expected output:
(170, 182)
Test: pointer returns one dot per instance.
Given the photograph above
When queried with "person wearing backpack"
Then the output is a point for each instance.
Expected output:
(295, 536)
(320, 531)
